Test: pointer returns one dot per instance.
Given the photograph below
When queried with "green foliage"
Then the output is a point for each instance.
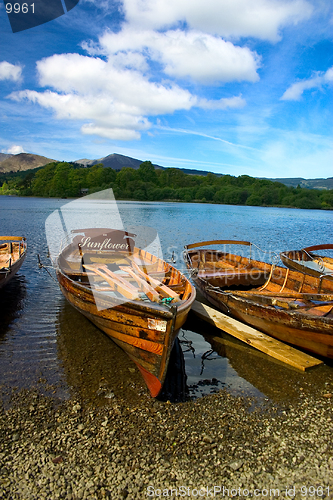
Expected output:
(61, 179)
(205, 193)
(43, 179)
(147, 172)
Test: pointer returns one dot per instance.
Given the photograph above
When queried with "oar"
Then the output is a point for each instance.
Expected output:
(307, 304)
(127, 284)
(128, 291)
(162, 289)
(145, 287)
(285, 295)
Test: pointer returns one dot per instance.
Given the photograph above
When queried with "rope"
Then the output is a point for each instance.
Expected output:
(41, 266)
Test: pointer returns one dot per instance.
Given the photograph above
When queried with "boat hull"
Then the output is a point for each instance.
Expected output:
(146, 332)
(312, 334)
(14, 252)
(290, 306)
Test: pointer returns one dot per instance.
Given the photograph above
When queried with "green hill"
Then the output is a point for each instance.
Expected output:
(147, 183)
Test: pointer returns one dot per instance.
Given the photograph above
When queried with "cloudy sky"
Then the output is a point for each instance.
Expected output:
(228, 86)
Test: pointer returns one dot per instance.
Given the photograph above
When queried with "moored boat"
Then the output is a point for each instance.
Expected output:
(306, 261)
(136, 298)
(13, 250)
(291, 306)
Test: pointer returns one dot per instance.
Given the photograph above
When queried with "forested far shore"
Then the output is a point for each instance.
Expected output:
(70, 180)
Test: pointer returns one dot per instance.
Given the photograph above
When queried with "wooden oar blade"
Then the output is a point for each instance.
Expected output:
(158, 285)
(143, 284)
(128, 292)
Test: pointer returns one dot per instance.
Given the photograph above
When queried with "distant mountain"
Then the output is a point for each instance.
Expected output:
(305, 183)
(27, 161)
(115, 161)
(4, 156)
(22, 161)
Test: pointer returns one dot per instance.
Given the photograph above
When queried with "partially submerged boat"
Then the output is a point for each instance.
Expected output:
(291, 306)
(13, 250)
(136, 298)
(306, 261)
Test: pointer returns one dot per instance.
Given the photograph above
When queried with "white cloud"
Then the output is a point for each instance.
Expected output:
(328, 76)
(14, 150)
(114, 102)
(10, 71)
(141, 70)
(75, 107)
(295, 91)
(120, 134)
(129, 90)
(224, 103)
(191, 54)
(228, 18)
(109, 119)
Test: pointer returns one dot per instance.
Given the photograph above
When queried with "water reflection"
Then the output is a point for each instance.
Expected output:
(28, 344)
(99, 371)
(94, 366)
(224, 361)
(12, 298)
(43, 338)
(207, 369)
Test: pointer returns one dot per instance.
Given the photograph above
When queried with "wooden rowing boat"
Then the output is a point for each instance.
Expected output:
(13, 250)
(291, 306)
(308, 262)
(137, 299)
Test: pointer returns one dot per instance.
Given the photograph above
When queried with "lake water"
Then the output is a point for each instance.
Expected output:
(45, 343)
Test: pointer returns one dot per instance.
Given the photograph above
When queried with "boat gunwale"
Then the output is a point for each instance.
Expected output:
(291, 259)
(288, 313)
(8, 272)
(158, 308)
(291, 319)
(252, 295)
(189, 248)
(152, 307)
(217, 242)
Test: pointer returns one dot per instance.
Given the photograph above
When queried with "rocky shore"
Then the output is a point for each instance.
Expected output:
(218, 446)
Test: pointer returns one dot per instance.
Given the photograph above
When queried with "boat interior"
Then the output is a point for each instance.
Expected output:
(135, 274)
(323, 264)
(10, 252)
(261, 282)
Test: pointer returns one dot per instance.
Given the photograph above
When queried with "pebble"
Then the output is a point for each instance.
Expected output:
(74, 450)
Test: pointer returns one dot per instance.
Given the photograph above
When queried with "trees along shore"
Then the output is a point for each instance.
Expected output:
(70, 180)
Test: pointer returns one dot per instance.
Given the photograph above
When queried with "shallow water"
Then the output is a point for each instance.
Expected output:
(45, 343)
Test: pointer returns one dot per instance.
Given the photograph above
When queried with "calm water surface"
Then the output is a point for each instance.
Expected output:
(45, 343)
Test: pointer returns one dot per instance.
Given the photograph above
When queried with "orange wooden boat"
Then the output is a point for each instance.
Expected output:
(137, 299)
(13, 250)
(308, 262)
(291, 306)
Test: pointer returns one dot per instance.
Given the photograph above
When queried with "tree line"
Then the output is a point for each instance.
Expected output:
(70, 180)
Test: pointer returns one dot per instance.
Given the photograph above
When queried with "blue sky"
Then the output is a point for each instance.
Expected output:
(228, 86)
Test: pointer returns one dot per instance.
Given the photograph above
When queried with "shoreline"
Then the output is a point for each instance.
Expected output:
(152, 449)
(194, 202)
